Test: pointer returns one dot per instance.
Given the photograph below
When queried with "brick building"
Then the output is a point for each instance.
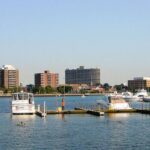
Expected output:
(46, 79)
(9, 77)
(139, 83)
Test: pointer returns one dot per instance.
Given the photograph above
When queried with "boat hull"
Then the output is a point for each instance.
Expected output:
(23, 109)
(146, 99)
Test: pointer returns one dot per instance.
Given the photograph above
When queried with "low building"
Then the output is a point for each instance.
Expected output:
(139, 83)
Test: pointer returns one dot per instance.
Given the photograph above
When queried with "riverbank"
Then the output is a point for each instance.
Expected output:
(59, 95)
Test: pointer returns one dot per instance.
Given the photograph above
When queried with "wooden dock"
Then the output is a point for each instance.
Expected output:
(40, 113)
(143, 111)
(52, 112)
(121, 111)
(95, 113)
(92, 112)
(76, 111)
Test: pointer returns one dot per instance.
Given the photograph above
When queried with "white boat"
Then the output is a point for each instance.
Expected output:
(127, 95)
(118, 103)
(138, 96)
(115, 94)
(83, 96)
(146, 99)
(114, 103)
(23, 103)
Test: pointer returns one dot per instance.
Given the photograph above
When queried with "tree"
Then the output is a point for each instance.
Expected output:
(35, 90)
(41, 90)
(49, 89)
(64, 89)
(120, 87)
(106, 86)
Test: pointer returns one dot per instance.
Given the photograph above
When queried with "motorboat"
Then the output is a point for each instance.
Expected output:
(138, 96)
(115, 94)
(146, 99)
(118, 103)
(127, 95)
(83, 96)
(23, 103)
(114, 103)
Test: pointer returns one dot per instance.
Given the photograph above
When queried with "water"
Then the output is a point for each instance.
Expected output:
(73, 132)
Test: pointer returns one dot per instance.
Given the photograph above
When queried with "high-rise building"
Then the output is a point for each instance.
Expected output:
(9, 77)
(46, 79)
(139, 83)
(82, 76)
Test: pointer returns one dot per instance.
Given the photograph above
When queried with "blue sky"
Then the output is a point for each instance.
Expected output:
(113, 35)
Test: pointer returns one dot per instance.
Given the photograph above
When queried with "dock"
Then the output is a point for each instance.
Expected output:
(92, 110)
(75, 111)
(52, 112)
(143, 111)
(121, 111)
(40, 113)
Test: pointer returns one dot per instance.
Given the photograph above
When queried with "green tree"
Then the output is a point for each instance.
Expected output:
(35, 90)
(41, 90)
(106, 86)
(120, 87)
(64, 89)
(49, 89)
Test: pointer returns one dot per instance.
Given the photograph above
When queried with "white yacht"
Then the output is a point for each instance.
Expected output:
(138, 96)
(23, 103)
(127, 95)
(114, 103)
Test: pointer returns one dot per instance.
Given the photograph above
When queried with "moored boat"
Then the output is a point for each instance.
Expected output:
(114, 103)
(146, 99)
(138, 96)
(23, 103)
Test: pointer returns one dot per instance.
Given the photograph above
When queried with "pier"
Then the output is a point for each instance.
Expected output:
(41, 111)
(89, 109)
(143, 111)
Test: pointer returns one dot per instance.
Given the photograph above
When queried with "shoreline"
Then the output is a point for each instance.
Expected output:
(59, 95)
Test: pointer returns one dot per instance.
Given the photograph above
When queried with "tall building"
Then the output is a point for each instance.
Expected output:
(46, 79)
(82, 76)
(139, 83)
(9, 77)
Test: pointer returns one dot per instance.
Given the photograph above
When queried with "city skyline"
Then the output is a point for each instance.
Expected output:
(56, 35)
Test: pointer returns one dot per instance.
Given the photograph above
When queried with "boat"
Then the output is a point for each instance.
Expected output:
(118, 103)
(146, 99)
(23, 103)
(114, 94)
(114, 103)
(138, 96)
(127, 95)
(83, 96)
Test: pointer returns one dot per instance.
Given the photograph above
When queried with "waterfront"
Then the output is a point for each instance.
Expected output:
(72, 132)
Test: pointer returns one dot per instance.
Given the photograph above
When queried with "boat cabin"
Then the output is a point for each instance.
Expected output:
(23, 96)
(116, 103)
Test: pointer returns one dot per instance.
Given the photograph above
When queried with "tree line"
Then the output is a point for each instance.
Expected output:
(62, 89)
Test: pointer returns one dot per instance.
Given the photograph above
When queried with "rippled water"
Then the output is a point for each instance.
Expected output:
(73, 132)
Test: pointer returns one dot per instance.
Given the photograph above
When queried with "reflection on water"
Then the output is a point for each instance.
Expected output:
(60, 116)
(118, 115)
(23, 117)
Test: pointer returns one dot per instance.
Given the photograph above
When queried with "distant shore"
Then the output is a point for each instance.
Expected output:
(60, 95)
(47, 95)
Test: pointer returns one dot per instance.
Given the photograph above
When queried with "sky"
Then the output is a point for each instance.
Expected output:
(113, 35)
